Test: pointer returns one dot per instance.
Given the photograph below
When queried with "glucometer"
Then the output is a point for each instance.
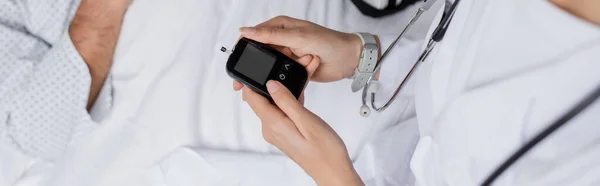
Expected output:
(253, 64)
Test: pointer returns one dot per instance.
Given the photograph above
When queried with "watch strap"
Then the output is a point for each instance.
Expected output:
(367, 63)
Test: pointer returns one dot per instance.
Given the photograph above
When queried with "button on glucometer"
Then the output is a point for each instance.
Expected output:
(282, 76)
(287, 66)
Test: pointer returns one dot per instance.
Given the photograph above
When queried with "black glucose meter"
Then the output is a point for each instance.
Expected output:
(253, 64)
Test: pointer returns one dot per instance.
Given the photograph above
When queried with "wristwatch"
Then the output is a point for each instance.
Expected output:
(368, 61)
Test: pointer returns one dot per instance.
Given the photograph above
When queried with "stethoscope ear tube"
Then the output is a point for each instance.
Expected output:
(440, 31)
(582, 105)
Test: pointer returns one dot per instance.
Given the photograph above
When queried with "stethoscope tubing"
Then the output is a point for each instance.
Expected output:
(437, 36)
(412, 21)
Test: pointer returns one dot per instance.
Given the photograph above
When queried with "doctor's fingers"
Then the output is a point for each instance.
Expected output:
(261, 106)
(283, 22)
(310, 63)
(276, 23)
(237, 86)
(287, 102)
(313, 64)
(276, 125)
(293, 38)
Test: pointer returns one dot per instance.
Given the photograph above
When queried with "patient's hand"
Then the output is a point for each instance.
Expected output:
(339, 52)
(303, 136)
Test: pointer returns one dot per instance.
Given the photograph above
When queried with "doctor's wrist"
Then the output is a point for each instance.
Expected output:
(346, 178)
(357, 49)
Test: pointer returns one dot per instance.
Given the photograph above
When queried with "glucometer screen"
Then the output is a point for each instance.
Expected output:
(255, 64)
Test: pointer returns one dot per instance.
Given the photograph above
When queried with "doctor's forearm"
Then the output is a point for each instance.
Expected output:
(584, 9)
(94, 32)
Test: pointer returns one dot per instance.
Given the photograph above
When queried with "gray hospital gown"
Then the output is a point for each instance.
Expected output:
(44, 82)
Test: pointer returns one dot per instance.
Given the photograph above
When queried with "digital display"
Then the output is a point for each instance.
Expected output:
(255, 64)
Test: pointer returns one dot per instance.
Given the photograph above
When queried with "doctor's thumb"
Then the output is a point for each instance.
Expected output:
(284, 99)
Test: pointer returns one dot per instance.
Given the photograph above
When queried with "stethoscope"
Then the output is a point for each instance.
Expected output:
(436, 37)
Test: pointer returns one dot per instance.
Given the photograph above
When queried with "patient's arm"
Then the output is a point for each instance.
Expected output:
(94, 31)
(44, 81)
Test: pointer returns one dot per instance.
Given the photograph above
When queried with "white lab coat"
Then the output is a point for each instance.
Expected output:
(505, 70)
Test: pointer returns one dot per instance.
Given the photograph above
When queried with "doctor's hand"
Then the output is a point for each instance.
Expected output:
(339, 51)
(303, 136)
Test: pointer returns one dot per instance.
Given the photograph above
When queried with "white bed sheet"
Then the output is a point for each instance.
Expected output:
(176, 121)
